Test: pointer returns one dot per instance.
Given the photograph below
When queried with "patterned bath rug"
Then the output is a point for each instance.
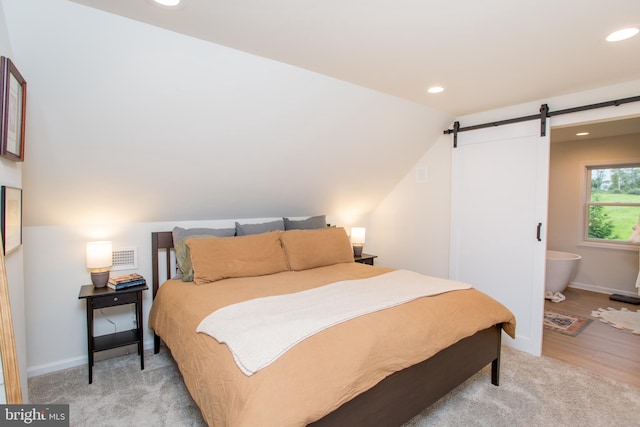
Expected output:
(567, 324)
(620, 319)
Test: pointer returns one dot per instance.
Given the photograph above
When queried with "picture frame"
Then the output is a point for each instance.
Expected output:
(11, 218)
(13, 108)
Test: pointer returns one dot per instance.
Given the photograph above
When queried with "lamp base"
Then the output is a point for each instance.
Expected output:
(357, 250)
(100, 279)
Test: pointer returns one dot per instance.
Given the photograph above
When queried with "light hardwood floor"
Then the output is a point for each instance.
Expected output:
(600, 348)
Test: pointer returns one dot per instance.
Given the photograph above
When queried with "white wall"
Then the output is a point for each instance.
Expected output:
(11, 175)
(116, 104)
(410, 228)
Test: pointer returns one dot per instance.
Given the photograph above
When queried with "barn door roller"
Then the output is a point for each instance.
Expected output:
(544, 114)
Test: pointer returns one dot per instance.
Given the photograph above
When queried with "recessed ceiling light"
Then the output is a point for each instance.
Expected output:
(435, 89)
(582, 133)
(167, 3)
(623, 34)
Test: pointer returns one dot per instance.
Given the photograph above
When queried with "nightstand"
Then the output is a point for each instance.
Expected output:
(107, 297)
(365, 259)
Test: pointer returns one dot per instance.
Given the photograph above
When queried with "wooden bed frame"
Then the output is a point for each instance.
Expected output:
(402, 395)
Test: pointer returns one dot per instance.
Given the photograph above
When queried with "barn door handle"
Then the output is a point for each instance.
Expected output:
(539, 229)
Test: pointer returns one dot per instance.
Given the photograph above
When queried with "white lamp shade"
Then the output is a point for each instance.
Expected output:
(99, 254)
(357, 235)
(167, 2)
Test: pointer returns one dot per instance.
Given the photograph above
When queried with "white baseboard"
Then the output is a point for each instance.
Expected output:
(521, 344)
(601, 290)
(59, 365)
(47, 368)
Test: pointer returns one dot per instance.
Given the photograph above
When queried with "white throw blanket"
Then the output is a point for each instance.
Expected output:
(259, 331)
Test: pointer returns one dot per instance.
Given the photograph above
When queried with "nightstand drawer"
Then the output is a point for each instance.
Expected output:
(113, 300)
(365, 258)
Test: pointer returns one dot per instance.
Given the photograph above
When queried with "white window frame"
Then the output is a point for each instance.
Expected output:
(586, 202)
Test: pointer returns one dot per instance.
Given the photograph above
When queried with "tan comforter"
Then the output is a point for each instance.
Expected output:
(322, 372)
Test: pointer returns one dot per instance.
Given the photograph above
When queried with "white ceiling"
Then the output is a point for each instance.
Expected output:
(630, 126)
(487, 54)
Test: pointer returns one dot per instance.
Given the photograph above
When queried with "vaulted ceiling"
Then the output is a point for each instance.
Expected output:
(486, 54)
(253, 109)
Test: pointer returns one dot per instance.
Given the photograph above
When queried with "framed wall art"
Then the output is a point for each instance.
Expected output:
(13, 107)
(11, 221)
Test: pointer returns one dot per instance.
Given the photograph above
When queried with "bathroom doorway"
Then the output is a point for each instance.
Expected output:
(603, 270)
(607, 265)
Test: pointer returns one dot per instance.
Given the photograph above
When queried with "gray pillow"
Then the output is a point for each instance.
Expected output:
(265, 227)
(183, 257)
(311, 223)
(180, 233)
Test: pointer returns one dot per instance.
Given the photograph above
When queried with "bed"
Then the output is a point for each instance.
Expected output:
(382, 368)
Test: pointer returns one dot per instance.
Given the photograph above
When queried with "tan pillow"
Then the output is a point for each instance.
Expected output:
(243, 256)
(307, 249)
(183, 256)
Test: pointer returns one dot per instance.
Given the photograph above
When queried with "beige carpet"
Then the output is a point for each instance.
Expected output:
(533, 392)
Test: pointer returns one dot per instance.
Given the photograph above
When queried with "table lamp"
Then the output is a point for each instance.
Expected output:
(99, 261)
(357, 240)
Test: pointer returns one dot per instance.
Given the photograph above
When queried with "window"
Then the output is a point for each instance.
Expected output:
(612, 203)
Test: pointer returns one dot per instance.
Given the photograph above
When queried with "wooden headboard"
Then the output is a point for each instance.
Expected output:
(160, 240)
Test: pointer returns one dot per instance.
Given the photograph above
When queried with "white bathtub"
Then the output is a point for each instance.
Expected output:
(561, 266)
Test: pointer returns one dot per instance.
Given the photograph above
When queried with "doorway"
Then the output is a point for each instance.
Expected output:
(602, 270)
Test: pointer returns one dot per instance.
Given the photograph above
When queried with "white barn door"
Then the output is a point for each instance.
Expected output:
(498, 225)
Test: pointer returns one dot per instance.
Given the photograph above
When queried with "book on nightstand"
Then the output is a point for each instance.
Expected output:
(123, 282)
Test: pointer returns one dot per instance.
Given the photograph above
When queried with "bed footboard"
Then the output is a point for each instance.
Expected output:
(404, 394)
